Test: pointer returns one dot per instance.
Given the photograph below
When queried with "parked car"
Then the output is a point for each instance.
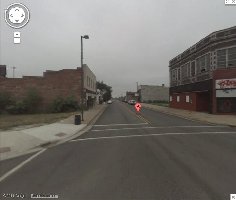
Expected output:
(109, 101)
(132, 102)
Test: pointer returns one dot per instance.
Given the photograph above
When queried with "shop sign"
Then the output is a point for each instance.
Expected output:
(226, 83)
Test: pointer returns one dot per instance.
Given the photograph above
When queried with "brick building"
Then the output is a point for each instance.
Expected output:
(153, 93)
(132, 96)
(53, 84)
(90, 86)
(203, 78)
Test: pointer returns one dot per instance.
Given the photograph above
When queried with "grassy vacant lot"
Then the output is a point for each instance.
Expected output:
(10, 121)
(161, 104)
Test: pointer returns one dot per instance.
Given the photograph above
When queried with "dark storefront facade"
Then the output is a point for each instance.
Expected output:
(224, 91)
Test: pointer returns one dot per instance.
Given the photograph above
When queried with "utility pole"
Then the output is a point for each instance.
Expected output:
(13, 72)
(82, 77)
(82, 81)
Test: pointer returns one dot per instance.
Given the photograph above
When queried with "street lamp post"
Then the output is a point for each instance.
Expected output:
(82, 77)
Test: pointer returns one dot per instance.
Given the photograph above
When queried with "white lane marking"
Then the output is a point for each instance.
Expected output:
(20, 165)
(148, 135)
(98, 125)
(154, 127)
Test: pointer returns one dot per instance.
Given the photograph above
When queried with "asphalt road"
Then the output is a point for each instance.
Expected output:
(125, 155)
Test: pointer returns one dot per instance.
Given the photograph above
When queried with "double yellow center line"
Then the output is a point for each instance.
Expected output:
(142, 118)
(138, 115)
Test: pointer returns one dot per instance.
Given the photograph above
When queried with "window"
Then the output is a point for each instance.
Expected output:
(193, 68)
(173, 75)
(188, 70)
(226, 57)
(203, 63)
(185, 69)
(179, 74)
(187, 98)
(208, 61)
(221, 58)
(178, 99)
(170, 98)
(231, 57)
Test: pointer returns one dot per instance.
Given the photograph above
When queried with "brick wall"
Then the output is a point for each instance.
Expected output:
(224, 73)
(182, 104)
(203, 101)
(198, 101)
(52, 84)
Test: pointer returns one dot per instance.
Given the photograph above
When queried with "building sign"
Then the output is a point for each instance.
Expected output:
(226, 83)
(228, 93)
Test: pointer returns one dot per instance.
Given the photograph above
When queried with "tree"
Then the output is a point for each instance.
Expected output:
(32, 100)
(5, 100)
(106, 90)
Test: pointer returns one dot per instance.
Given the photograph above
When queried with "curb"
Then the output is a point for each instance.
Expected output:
(94, 119)
(47, 144)
(190, 119)
(52, 143)
(78, 133)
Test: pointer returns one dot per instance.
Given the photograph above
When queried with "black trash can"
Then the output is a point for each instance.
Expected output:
(77, 119)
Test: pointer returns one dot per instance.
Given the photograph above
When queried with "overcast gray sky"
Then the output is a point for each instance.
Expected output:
(130, 40)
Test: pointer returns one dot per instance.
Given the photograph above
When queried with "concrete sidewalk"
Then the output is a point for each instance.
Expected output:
(18, 142)
(200, 116)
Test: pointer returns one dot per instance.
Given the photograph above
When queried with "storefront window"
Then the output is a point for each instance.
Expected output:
(178, 99)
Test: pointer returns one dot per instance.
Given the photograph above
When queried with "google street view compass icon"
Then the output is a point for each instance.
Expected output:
(17, 15)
